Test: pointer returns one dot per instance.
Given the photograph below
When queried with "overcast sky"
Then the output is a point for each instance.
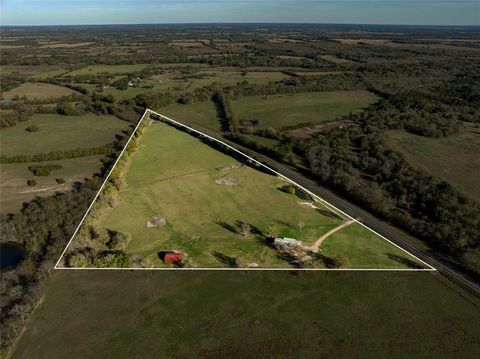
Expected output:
(70, 12)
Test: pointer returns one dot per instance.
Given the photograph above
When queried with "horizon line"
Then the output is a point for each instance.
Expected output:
(244, 23)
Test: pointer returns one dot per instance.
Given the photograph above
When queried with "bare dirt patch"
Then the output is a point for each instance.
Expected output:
(227, 181)
(157, 221)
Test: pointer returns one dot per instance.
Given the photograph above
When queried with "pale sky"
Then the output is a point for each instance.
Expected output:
(74, 12)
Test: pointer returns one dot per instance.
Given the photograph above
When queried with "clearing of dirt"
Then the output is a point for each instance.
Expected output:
(157, 221)
(227, 181)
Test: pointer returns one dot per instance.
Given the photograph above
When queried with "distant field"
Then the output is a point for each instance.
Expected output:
(315, 107)
(203, 114)
(39, 91)
(455, 158)
(14, 176)
(112, 69)
(228, 78)
(176, 176)
(335, 59)
(57, 133)
(29, 69)
(112, 314)
(48, 74)
(129, 93)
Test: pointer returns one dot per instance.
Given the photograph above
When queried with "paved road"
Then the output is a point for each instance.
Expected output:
(386, 230)
(368, 219)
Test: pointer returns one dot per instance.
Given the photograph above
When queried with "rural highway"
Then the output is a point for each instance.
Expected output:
(388, 231)
(368, 219)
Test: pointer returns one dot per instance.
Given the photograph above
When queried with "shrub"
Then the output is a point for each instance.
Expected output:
(32, 128)
(44, 170)
(31, 182)
(79, 260)
(60, 180)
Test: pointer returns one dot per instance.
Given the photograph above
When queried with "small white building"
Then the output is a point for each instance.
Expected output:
(286, 242)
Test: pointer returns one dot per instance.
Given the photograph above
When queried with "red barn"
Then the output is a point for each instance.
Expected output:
(172, 257)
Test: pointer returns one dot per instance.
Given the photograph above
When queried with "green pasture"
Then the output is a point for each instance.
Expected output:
(203, 114)
(455, 158)
(176, 176)
(110, 69)
(335, 59)
(14, 177)
(208, 314)
(315, 107)
(58, 133)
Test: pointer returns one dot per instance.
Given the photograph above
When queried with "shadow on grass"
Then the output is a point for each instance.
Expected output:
(405, 261)
(327, 213)
(222, 258)
(228, 226)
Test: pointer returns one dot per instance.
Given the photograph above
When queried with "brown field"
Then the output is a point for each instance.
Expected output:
(386, 42)
(38, 91)
(277, 40)
(62, 45)
(321, 73)
(11, 46)
(186, 44)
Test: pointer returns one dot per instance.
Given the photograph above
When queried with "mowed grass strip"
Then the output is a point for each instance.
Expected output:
(137, 314)
(60, 133)
(455, 158)
(39, 91)
(315, 107)
(176, 176)
(14, 177)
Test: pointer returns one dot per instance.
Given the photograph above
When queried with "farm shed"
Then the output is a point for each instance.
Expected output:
(172, 257)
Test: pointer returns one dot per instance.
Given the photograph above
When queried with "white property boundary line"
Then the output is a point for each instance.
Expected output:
(327, 204)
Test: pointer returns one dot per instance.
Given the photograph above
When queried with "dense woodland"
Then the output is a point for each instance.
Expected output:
(428, 91)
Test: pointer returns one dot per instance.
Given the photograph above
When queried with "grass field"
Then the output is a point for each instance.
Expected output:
(48, 74)
(229, 78)
(40, 91)
(455, 158)
(203, 114)
(252, 315)
(335, 59)
(287, 110)
(29, 70)
(176, 176)
(14, 178)
(58, 133)
(111, 69)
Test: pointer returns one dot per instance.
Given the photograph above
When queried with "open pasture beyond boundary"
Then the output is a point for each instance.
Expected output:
(14, 177)
(314, 107)
(219, 212)
(60, 133)
(91, 314)
(111, 69)
(38, 91)
(455, 158)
